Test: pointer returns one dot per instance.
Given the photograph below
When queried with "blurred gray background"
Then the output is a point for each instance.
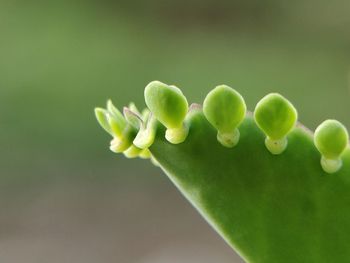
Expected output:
(64, 197)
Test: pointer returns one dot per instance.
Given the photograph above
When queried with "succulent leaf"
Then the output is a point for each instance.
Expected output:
(269, 208)
(331, 138)
(102, 118)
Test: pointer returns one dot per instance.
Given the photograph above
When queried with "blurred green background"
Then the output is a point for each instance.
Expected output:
(64, 197)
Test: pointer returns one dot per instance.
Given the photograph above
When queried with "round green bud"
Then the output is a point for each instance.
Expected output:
(225, 109)
(331, 139)
(170, 107)
(276, 117)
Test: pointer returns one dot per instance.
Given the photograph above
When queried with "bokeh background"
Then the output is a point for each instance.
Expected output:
(63, 196)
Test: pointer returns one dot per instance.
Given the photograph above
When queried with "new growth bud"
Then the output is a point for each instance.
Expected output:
(225, 109)
(331, 139)
(170, 107)
(116, 120)
(276, 117)
(122, 130)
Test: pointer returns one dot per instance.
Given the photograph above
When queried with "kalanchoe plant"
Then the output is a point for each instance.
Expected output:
(271, 188)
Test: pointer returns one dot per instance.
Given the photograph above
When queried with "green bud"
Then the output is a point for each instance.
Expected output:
(276, 117)
(225, 109)
(331, 139)
(170, 107)
(122, 143)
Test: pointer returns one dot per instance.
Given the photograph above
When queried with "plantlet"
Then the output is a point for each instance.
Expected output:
(225, 109)
(331, 139)
(170, 107)
(271, 188)
(276, 117)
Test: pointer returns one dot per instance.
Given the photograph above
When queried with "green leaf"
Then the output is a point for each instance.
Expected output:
(269, 208)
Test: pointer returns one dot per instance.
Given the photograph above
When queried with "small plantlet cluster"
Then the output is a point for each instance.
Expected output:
(134, 132)
(260, 179)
